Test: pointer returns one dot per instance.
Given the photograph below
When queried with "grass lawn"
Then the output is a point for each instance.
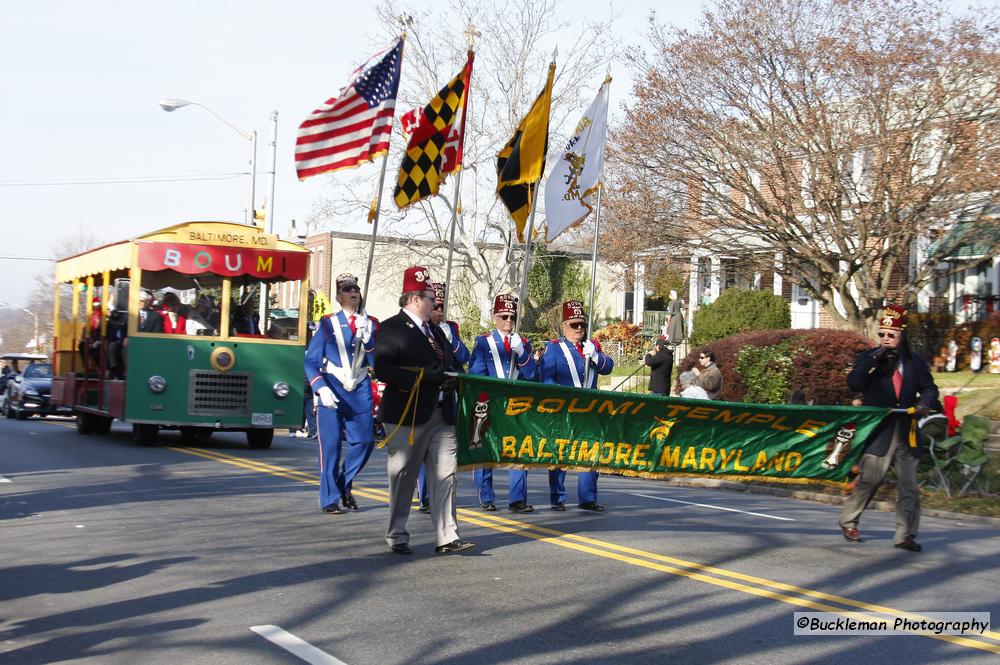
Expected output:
(978, 394)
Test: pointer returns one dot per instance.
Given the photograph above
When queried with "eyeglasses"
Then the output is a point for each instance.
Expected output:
(576, 325)
(890, 335)
(506, 317)
(427, 296)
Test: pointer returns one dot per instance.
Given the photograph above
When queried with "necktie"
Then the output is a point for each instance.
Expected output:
(506, 343)
(897, 381)
(354, 328)
(434, 345)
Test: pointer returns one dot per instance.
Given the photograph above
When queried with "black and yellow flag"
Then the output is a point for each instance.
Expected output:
(430, 153)
(519, 164)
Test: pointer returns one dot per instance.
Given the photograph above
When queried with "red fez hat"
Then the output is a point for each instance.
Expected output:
(416, 278)
(438, 288)
(893, 318)
(505, 303)
(572, 309)
(346, 279)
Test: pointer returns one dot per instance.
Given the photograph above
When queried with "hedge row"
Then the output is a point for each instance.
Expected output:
(766, 365)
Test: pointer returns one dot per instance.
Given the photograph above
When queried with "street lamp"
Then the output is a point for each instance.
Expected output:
(34, 316)
(171, 105)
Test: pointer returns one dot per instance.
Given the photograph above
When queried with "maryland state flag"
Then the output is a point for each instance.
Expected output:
(519, 164)
(435, 147)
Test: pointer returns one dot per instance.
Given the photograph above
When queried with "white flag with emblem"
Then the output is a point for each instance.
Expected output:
(578, 170)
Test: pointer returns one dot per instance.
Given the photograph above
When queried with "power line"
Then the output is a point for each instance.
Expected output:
(26, 258)
(120, 181)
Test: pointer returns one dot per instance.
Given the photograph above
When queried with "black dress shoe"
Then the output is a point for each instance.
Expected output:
(402, 548)
(592, 507)
(559, 507)
(489, 507)
(520, 507)
(454, 547)
(426, 510)
(333, 509)
(909, 544)
(349, 502)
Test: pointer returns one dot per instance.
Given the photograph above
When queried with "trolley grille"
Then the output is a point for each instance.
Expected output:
(219, 393)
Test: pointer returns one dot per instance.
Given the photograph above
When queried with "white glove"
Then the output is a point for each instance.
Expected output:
(446, 329)
(363, 326)
(589, 350)
(516, 344)
(326, 397)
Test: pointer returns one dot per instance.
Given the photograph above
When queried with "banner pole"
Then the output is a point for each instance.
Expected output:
(451, 242)
(593, 283)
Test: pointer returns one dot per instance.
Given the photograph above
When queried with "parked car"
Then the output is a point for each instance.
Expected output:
(28, 393)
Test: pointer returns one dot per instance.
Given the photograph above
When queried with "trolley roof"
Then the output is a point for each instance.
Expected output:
(118, 256)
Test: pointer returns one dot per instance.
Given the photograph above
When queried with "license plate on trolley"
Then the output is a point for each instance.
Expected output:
(262, 420)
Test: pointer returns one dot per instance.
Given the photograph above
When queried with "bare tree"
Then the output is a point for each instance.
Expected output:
(833, 135)
(513, 44)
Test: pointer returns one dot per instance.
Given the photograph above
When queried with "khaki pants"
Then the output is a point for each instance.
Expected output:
(435, 446)
(873, 470)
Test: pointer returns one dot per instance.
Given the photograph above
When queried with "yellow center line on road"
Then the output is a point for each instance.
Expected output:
(770, 589)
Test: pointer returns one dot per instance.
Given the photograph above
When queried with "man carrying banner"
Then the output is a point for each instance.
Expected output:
(891, 376)
(503, 354)
(344, 393)
(418, 409)
(566, 362)
(458, 348)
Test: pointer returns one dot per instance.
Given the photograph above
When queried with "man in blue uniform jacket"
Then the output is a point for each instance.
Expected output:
(504, 354)
(891, 376)
(344, 393)
(571, 361)
(461, 353)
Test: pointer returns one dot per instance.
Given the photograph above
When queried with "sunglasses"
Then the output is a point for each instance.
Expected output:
(350, 289)
(702, 357)
(890, 335)
(506, 317)
(439, 307)
(577, 325)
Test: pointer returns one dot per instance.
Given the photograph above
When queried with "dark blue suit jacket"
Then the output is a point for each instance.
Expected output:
(875, 385)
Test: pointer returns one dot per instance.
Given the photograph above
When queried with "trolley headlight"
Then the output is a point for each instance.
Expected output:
(281, 389)
(157, 384)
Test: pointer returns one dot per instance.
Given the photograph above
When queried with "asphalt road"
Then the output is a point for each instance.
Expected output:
(113, 553)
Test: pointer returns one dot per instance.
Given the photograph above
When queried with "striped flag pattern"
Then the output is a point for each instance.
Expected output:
(354, 127)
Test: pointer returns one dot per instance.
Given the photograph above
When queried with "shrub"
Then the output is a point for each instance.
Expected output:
(737, 311)
(764, 366)
(627, 334)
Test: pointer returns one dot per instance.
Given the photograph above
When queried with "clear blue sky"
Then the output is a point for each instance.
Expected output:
(81, 81)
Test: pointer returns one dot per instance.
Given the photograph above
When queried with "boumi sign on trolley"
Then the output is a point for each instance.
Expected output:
(521, 424)
(227, 261)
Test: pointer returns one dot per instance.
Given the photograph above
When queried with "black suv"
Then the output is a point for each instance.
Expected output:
(28, 392)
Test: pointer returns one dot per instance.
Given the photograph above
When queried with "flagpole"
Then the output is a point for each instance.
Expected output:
(451, 242)
(593, 280)
(457, 209)
(371, 243)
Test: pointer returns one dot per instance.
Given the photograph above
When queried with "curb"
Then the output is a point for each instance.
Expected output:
(830, 499)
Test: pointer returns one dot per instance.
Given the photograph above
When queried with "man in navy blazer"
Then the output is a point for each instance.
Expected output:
(891, 376)
(418, 409)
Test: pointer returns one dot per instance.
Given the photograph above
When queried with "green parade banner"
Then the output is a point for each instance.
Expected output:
(518, 424)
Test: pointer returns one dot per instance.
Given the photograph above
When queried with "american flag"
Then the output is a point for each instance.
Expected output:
(354, 127)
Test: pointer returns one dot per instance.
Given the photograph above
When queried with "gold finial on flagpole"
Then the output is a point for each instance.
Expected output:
(470, 34)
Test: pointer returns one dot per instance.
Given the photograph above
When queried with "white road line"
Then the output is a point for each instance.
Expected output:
(708, 505)
(296, 646)
(5, 480)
